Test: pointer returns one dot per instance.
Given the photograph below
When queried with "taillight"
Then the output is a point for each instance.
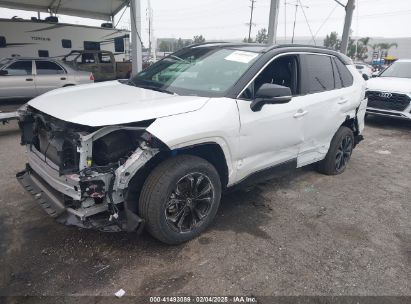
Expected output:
(91, 77)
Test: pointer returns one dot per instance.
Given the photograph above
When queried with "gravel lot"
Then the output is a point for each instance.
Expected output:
(301, 234)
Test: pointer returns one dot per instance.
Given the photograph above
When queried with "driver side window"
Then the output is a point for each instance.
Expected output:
(283, 71)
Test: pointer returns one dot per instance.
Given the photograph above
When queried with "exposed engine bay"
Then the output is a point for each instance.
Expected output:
(81, 174)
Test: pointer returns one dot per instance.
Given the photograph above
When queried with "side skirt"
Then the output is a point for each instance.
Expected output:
(265, 174)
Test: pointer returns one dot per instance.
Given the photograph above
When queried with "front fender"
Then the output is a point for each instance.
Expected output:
(216, 122)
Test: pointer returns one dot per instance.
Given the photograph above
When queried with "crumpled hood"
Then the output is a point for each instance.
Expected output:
(112, 103)
(390, 84)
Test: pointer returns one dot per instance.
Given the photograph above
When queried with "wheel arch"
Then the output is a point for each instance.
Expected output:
(351, 123)
(210, 151)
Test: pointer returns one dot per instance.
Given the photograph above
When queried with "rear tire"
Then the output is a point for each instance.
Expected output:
(339, 153)
(180, 198)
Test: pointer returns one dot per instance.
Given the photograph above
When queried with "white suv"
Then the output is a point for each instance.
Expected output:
(389, 94)
(158, 150)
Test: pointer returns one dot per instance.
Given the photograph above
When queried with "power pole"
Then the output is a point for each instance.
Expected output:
(251, 20)
(295, 19)
(297, 4)
(273, 21)
(136, 49)
(349, 10)
(285, 21)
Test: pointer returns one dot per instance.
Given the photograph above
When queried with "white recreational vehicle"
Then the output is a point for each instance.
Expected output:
(40, 38)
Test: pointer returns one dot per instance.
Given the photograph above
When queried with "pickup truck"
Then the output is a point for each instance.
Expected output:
(101, 63)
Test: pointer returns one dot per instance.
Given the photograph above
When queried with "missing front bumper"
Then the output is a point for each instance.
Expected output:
(53, 204)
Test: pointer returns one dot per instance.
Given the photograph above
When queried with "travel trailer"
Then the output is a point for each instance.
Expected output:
(48, 38)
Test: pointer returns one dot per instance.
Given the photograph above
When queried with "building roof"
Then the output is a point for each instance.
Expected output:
(81, 8)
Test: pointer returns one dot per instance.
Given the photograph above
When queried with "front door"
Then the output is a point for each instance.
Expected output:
(272, 136)
(17, 80)
(49, 76)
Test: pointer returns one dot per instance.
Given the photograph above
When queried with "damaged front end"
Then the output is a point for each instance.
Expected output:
(80, 174)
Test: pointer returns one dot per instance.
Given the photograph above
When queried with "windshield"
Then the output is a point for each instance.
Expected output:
(202, 71)
(398, 69)
(72, 56)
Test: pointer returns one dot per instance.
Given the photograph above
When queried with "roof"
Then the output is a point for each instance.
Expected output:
(264, 48)
(81, 8)
(28, 58)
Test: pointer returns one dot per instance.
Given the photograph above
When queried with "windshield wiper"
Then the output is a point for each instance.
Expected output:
(154, 88)
(158, 89)
(150, 87)
(179, 59)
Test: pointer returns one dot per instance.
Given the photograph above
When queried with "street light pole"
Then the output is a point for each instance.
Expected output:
(349, 10)
(273, 21)
(136, 49)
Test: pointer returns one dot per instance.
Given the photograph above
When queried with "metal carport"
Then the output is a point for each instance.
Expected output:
(101, 9)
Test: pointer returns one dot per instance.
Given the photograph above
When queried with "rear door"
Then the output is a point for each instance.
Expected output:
(325, 99)
(49, 76)
(18, 80)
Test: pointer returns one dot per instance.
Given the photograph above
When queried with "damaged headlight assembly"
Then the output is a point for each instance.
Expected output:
(81, 174)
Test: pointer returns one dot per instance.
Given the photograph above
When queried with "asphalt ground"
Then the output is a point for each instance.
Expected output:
(300, 234)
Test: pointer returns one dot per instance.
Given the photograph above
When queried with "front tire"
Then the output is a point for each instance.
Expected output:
(180, 198)
(339, 153)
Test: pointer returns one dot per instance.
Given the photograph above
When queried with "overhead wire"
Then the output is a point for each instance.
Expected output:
(306, 20)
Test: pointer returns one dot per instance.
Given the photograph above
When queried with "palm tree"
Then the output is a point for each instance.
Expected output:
(385, 47)
(362, 48)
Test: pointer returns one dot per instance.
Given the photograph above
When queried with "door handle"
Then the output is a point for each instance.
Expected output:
(300, 113)
(342, 101)
(63, 78)
(29, 79)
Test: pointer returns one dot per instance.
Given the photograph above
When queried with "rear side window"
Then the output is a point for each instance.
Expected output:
(48, 68)
(344, 74)
(318, 74)
(104, 58)
(337, 78)
(20, 68)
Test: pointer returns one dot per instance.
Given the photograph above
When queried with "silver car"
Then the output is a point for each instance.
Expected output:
(29, 77)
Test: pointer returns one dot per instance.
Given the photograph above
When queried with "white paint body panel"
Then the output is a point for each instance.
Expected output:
(390, 84)
(326, 112)
(268, 137)
(112, 103)
(251, 141)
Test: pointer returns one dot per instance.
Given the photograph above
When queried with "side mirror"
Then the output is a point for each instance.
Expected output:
(365, 76)
(374, 75)
(270, 93)
(3, 72)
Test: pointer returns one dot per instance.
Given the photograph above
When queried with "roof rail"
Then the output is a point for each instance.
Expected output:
(209, 42)
(299, 45)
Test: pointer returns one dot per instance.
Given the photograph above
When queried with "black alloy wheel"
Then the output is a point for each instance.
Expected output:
(190, 202)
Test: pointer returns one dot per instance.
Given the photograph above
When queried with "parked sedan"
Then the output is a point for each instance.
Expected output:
(29, 77)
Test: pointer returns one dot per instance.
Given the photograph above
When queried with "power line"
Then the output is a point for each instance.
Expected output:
(125, 8)
(325, 21)
(306, 20)
(295, 16)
